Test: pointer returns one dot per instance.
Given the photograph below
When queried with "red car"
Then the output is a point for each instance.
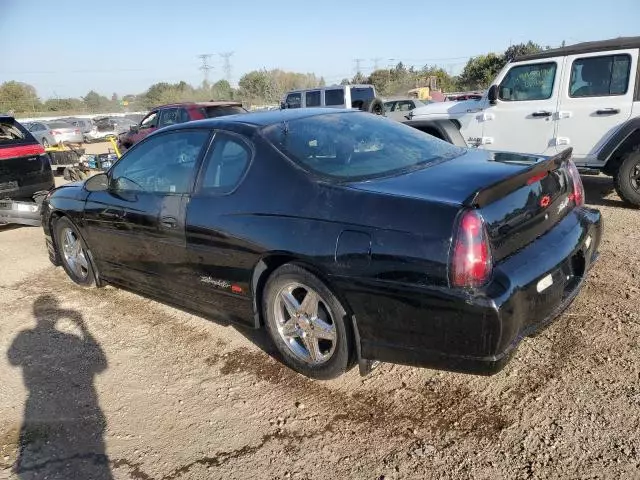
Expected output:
(176, 113)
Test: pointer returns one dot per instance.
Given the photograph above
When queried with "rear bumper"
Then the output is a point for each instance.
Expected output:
(478, 332)
(20, 212)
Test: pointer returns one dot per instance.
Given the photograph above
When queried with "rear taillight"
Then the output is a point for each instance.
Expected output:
(21, 151)
(55, 132)
(578, 190)
(76, 131)
(471, 262)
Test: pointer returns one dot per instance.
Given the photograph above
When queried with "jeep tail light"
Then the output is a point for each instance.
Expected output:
(578, 190)
(471, 262)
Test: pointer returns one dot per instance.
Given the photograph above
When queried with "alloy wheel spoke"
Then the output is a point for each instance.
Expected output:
(82, 260)
(290, 303)
(323, 330)
(311, 343)
(309, 304)
(290, 329)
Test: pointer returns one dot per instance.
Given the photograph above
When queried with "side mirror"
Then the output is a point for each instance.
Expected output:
(493, 94)
(283, 105)
(134, 128)
(97, 183)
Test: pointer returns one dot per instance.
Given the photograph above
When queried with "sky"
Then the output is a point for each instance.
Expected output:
(65, 48)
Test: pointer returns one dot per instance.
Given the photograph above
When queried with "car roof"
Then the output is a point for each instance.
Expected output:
(330, 87)
(262, 119)
(585, 47)
(221, 103)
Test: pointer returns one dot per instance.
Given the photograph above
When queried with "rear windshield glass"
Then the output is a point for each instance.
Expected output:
(59, 125)
(211, 112)
(361, 93)
(10, 133)
(350, 146)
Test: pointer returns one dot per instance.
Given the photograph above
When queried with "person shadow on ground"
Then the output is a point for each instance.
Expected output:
(62, 432)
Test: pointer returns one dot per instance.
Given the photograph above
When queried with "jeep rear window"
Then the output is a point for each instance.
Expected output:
(356, 145)
(361, 94)
(222, 110)
(11, 134)
(600, 76)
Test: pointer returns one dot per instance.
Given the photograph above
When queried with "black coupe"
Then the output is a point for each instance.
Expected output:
(349, 237)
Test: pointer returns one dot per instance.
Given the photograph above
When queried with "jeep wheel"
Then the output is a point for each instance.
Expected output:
(374, 106)
(627, 179)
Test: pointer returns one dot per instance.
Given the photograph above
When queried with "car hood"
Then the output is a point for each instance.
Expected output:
(446, 108)
(452, 181)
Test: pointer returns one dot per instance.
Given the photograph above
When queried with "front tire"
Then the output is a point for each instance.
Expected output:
(627, 179)
(307, 323)
(73, 253)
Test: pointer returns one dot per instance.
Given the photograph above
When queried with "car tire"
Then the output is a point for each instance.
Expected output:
(375, 106)
(73, 253)
(627, 179)
(45, 143)
(319, 342)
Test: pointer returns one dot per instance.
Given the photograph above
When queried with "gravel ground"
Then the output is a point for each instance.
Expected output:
(127, 388)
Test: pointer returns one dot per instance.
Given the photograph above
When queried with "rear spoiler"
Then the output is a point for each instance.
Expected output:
(491, 193)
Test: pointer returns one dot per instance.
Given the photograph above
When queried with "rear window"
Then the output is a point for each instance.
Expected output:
(59, 125)
(12, 133)
(361, 94)
(211, 112)
(356, 146)
(333, 97)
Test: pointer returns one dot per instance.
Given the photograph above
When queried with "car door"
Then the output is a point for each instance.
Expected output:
(136, 228)
(595, 98)
(148, 125)
(524, 115)
(401, 110)
(220, 262)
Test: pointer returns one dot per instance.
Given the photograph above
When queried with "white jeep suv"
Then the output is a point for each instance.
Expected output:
(584, 96)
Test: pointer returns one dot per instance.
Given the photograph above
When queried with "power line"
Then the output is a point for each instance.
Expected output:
(226, 56)
(358, 62)
(205, 67)
(375, 62)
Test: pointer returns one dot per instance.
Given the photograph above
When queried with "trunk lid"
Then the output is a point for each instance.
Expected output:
(520, 197)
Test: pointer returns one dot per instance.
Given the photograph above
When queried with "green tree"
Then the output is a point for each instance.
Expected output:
(221, 90)
(521, 49)
(67, 105)
(19, 97)
(480, 71)
(96, 102)
(345, 81)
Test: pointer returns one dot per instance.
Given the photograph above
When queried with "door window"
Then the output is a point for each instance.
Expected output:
(528, 82)
(404, 106)
(294, 100)
(161, 164)
(313, 98)
(334, 98)
(388, 106)
(168, 116)
(150, 120)
(226, 164)
(600, 76)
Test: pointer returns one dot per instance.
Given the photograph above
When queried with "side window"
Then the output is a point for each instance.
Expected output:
(528, 82)
(600, 76)
(334, 98)
(225, 165)
(150, 120)
(183, 115)
(313, 98)
(404, 106)
(294, 100)
(168, 116)
(162, 164)
(388, 106)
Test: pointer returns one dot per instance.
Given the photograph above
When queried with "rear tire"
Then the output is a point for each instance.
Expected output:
(73, 253)
(627, 179)
(307, 323)
(375, 106)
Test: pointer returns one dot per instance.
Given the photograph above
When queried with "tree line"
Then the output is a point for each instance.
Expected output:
(261, 87)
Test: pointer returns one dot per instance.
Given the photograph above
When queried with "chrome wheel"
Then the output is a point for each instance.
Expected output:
(304, 322)
(73, 254)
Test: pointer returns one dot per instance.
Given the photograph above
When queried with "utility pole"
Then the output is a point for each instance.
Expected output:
(375, 62)
(358, 62)
(206, 66)
(226, 56)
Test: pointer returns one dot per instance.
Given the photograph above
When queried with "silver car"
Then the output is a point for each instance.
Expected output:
(64, 132)
(41, 132)
(399, 108)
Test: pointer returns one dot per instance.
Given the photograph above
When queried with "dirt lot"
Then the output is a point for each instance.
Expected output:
(124, 386)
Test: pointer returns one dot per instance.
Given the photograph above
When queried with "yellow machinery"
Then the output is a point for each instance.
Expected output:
(421, 93)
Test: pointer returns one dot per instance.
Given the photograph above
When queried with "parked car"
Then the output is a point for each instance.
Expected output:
(64, 132)
(176, 113)
(400, 108)
(362, 97)
(106, 127)
(41, 132)
(84, 124)
(24, 171)
(346, 235)
(584, 96)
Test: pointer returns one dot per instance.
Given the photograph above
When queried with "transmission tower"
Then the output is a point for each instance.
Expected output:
(375, 62)
(358, 62)
(206, 66)
(227, 65)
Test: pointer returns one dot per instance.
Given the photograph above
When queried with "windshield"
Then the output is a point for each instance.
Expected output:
(59, 125)
(350, 146)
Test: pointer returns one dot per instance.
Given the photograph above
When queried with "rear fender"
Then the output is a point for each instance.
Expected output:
(623, 141)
